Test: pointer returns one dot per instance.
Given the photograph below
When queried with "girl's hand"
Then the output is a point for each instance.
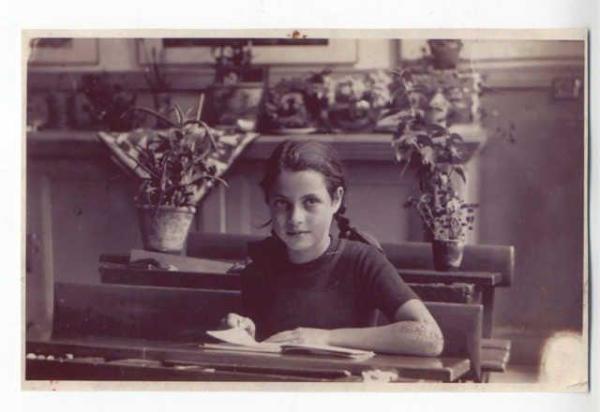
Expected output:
(311, 336)
(233, 320)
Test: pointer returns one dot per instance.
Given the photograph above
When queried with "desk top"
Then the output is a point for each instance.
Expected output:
(119, 273)
(413, 367)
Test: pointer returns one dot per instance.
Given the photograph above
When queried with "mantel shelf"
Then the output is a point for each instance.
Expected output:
(352, 146)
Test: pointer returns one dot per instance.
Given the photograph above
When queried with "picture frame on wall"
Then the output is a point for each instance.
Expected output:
(61, 51)
(274, 51)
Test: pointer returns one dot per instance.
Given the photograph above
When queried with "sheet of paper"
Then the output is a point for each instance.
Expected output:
(239, 336)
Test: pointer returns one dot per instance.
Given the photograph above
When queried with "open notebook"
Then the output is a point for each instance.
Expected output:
(238, 339)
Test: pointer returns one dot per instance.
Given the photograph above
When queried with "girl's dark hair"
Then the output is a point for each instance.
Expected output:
(299, 155)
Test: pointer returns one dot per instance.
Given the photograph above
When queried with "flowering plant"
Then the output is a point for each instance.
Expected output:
(436, 154)
(367, 91)
(356, 101)
(291, 103)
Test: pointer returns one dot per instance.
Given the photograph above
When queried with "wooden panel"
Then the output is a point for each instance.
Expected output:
(440, 369)
(492, 258)
(121, 274)
(184, 314)
(39, 261)
(73, 51)
(487, 259)
(139, 312)
(95, 369)
(461, 326)
(176, 314)
(494, 360)
(91, 212)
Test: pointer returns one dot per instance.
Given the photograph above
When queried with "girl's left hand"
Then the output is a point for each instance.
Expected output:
(311, 336)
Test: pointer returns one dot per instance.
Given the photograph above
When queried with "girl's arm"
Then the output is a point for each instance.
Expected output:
(413, 332)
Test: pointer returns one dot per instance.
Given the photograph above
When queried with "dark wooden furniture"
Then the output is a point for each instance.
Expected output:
(484, 268)
(118, 332)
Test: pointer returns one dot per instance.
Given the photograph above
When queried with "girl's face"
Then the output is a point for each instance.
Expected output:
(302, 211)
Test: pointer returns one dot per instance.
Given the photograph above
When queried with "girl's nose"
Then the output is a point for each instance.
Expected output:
(296, 215)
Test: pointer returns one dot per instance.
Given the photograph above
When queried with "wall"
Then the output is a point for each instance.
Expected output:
(120, 54)
(532, 198)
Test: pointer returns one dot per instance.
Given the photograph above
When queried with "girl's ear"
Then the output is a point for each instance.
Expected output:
(338, 196)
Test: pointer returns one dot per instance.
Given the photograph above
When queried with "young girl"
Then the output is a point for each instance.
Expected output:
(305, 285)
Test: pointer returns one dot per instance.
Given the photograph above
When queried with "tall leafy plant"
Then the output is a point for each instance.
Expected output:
(435, 153)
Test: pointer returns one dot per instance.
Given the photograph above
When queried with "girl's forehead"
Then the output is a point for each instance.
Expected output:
(298, 183)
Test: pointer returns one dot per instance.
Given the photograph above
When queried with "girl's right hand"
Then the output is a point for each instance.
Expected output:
(233, 320)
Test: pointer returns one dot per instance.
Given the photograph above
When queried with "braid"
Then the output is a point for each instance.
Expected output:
(351, 233)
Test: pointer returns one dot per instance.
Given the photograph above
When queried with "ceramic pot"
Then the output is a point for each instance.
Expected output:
(445, 53)
(165, 228)
(447, 254)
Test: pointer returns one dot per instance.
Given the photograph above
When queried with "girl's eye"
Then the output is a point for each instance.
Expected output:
(311, 201)
(279, 204)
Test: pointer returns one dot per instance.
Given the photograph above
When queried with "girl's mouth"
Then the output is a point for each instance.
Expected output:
(296, 232)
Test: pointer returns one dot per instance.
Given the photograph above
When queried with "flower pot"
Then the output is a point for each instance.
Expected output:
(165, 228)
(447, 254)
(445, 53)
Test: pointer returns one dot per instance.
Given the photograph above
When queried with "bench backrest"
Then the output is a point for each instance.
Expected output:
(174, 314)
(405, 255)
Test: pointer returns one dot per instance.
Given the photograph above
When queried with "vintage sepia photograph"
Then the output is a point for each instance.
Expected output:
(321, 209)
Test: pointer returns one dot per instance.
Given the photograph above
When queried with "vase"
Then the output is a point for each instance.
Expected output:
(165, 228)
(447, 254)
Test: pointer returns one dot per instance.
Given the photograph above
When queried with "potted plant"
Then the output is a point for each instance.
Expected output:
(291, 106)
(436, 156)
(175, 169)
(357, 101)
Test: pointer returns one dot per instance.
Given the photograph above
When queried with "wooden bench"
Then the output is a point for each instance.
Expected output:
(116, 323)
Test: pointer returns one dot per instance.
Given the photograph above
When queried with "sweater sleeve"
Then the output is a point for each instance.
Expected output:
(383, 287)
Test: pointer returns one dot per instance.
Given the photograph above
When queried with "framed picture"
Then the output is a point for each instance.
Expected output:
(63, 51)
(264, 51)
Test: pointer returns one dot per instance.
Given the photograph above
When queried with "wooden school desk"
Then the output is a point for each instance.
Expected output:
(118, 332)
(132, 359)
